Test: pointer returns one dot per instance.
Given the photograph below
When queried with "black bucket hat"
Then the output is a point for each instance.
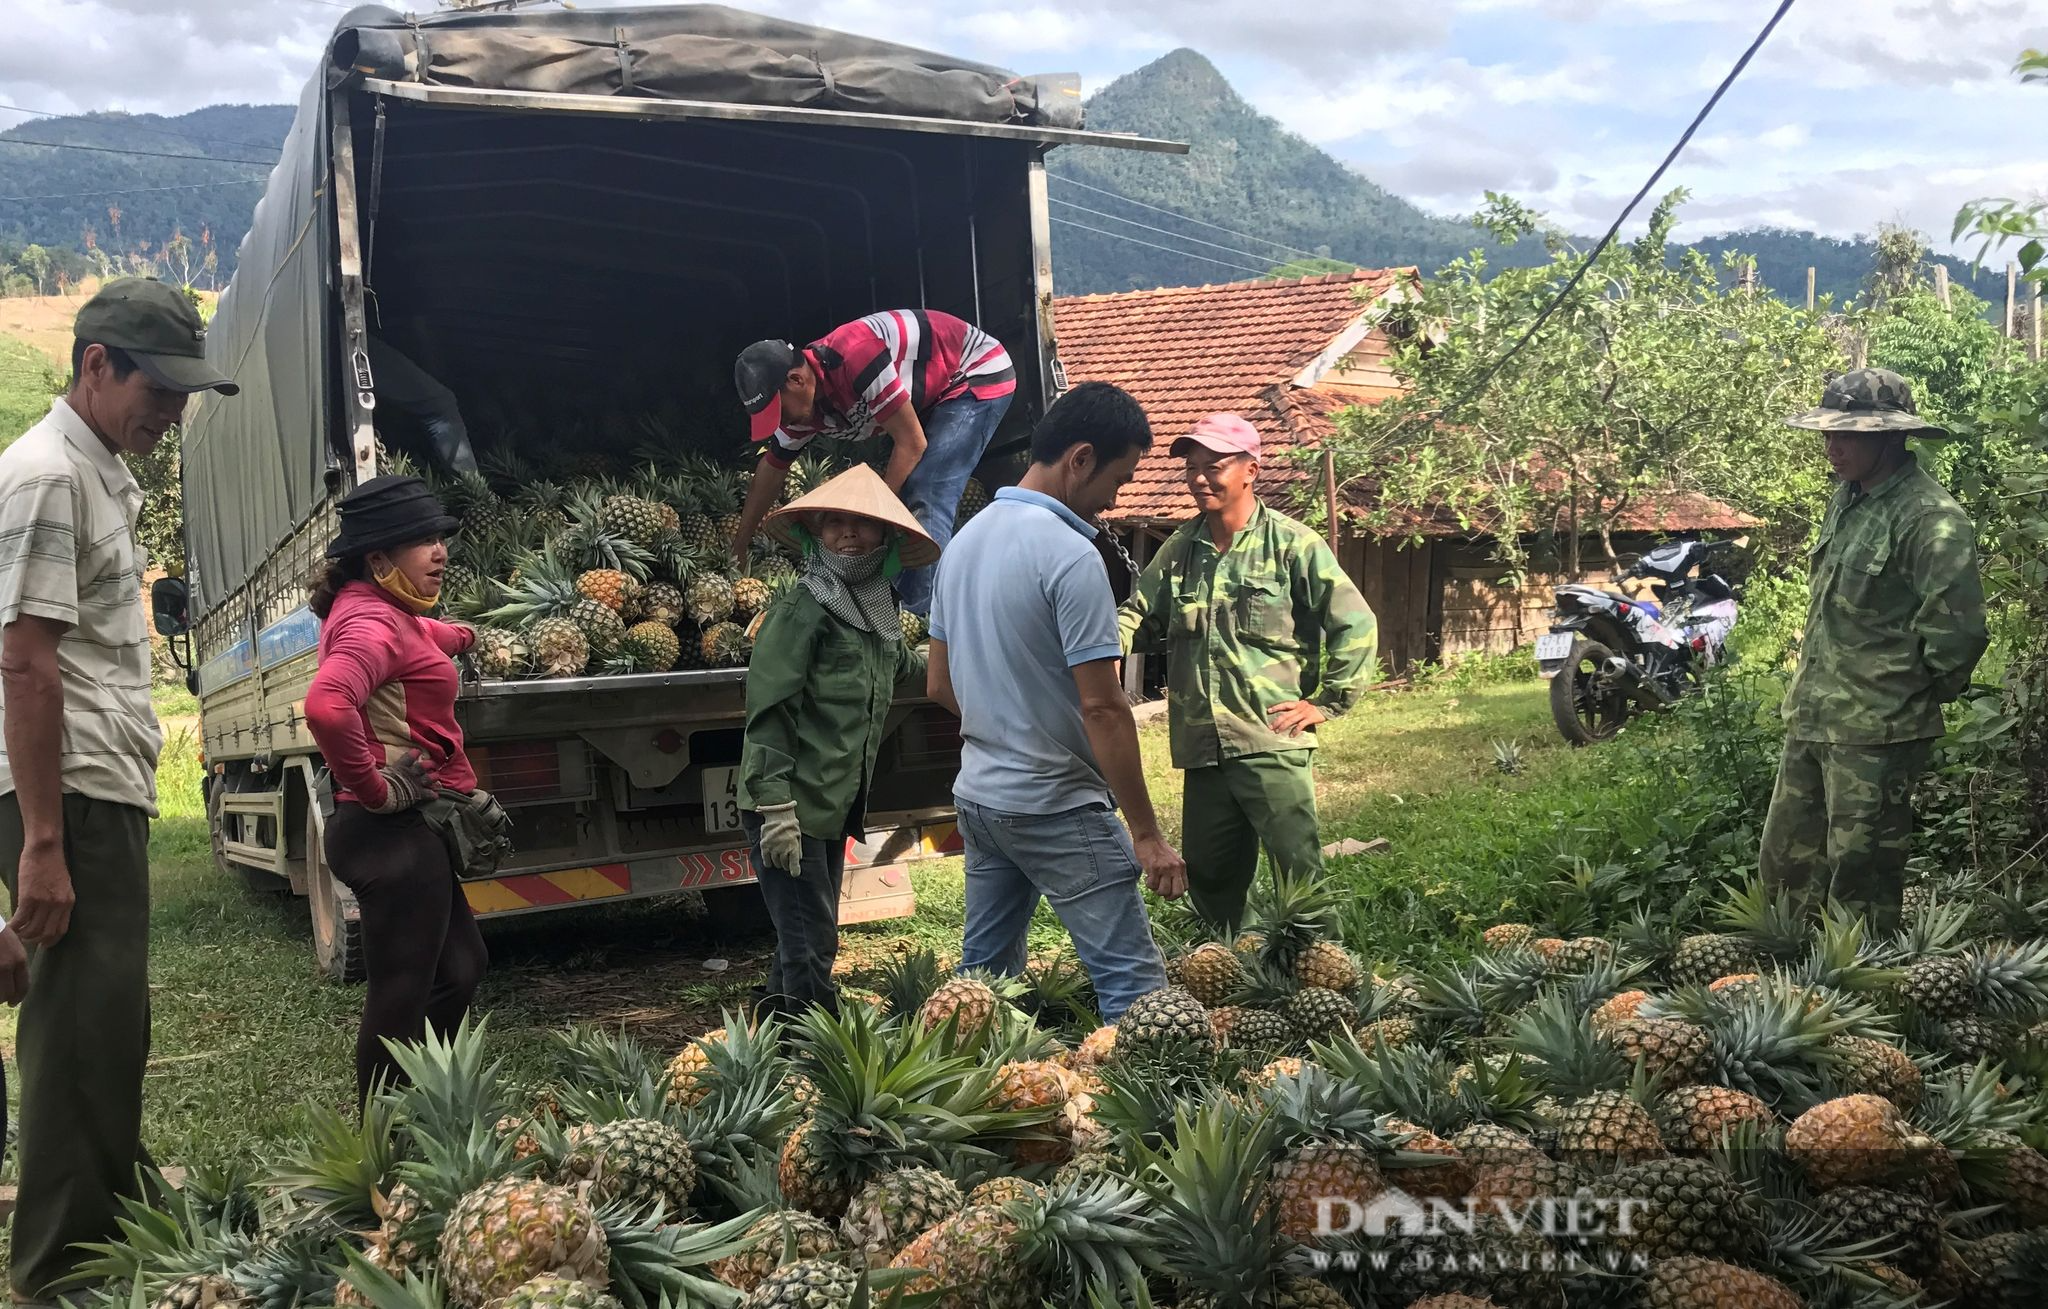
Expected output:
(389, 511)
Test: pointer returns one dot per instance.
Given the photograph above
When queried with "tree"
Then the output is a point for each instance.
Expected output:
(1652, 376)
(1999, 221)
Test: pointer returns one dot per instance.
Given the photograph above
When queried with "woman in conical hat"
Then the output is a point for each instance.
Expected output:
(828, 656)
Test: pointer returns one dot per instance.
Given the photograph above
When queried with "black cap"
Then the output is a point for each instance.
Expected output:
(159, 326)
(389, 511)
(759, 374)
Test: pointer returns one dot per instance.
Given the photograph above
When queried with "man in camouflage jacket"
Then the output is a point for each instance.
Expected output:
(1894, 625)
(1265, 637)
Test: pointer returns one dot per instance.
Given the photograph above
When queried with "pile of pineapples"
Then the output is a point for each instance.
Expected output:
(1803, 1116)
(592, 573)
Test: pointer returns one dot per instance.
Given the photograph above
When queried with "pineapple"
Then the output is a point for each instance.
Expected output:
(1691, 1207)
(968, 1002)
(549, 1291)
(635, 1162)
(1041, 1089)
(1877, 1068)
(974, 498)
(1606, 1129)
(609, 587)
(661, 603)
(198, 1291)
(1696, 1118)
(916, 628)
(723, 645)
(470, 498)
(1998, 980)
(1850, 1140)
(1694, 1282)
(785, 1230)
(750, 595)
(501, 654)
(546, 590)
(894, 1208)
(803, 1174)
(508, 1231)
(1517, 1177)
(1905, 1225)
(1304, 1177)
(545, 505)
(1580, 953)
(689, 1073)
(559, 647)
(1168, 1022)
(1673, 1051)
(1325, 964)
(1000, 1191)
(775, 570)
(635, 519)
(1211, 972)
(709, 597)
(806, 1284)
(1018, 1257)
(651, 646)
(1260, 1031)
(1318, 1014)
(1704, 957)
(1508, 936)
(1096, 1049)
(1618, 1009)
(806, 474)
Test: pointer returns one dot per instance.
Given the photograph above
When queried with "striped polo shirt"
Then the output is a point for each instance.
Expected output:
(870, 368)
(68, 552)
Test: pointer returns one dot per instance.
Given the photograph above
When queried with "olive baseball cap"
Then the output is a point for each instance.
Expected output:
(159, 327)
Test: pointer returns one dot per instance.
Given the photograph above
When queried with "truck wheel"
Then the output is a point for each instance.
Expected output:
(337, 922)
(1584, 712)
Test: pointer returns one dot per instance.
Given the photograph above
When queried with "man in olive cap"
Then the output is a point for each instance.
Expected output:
(78, 749)
(1894, 625)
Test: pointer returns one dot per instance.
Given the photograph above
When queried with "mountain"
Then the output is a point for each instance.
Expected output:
(1244, 173)
(72, 199)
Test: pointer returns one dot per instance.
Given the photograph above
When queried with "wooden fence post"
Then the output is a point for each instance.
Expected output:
(2034, 325)
(2012, 299)
(1330, 497)
(1941, 285)
(1809, 290)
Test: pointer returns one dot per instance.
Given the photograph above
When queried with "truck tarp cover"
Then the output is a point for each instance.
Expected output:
(256, 465)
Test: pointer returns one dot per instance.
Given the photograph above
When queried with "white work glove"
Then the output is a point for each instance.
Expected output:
(782, 841)
(406, 784)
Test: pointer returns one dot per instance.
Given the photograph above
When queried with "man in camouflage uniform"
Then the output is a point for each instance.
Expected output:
(1265, 637)
(1894, 624)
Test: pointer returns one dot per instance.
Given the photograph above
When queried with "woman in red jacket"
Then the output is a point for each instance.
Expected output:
(382, 710)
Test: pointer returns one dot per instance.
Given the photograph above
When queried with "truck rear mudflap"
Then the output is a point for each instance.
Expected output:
(877, 883)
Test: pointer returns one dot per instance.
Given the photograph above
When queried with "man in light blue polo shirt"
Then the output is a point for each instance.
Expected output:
(1025, 649)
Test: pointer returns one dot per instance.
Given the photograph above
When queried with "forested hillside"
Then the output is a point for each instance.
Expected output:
(198, 175)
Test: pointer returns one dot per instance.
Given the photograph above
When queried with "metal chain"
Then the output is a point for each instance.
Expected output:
(1116, 544)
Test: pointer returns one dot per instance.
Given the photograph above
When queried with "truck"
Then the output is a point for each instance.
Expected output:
(548, 212)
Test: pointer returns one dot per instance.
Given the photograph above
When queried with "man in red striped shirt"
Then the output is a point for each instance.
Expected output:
(938, 385)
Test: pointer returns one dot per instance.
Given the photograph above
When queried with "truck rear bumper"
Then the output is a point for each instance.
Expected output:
(877, 884)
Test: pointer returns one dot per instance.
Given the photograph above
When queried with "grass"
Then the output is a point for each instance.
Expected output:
(27, 381)
(245, 1034)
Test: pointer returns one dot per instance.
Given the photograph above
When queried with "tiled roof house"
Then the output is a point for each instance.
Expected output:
(1288, 355)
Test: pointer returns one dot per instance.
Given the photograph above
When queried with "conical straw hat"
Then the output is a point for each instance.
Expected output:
(859, 490)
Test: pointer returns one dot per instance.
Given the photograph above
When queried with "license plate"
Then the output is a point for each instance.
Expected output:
(1554, 645)
(721, 800)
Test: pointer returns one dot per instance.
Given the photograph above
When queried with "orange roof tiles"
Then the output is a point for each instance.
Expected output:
(1187, 351)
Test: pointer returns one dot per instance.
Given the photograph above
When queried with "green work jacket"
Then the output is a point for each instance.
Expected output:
(818, 697)
(1894, 615)
(1270, 619)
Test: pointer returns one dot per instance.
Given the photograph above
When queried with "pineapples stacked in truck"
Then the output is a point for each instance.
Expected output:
(588, 572)
(1798, 1116)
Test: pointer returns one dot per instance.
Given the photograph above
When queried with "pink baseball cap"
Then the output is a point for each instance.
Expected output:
(1226, 434)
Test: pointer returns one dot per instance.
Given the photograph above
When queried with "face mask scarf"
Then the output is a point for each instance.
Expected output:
(398, 588)
(852, 588)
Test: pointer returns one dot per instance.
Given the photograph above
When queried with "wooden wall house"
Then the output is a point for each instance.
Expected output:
(1288, 354)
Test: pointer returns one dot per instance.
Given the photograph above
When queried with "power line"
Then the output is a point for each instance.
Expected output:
(128, 122)
(1249, 254)
(1174, 213)
(1120, 236)
(134, 190)
(146, 154)
(1586, 265)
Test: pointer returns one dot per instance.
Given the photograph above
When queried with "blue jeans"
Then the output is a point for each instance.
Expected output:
(956, 436)
(1081, 861)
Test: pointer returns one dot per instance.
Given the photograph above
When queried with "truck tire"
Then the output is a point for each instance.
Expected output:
(337, 922)
(1582, 717)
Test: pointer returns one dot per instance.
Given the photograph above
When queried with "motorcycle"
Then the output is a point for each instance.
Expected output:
(1609, 655)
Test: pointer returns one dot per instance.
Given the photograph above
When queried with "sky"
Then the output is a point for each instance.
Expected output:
(1857, 112)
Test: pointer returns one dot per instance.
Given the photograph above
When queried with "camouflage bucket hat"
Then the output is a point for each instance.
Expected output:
(1868, 400)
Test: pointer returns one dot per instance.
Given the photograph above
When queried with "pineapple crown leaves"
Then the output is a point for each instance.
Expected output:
(654, 1262)
(289, 1267)
(1770, 923)
(1406, 1083)
(383, 1291)
(1651, 937)
(608, 1076)
(1963, 1106)
(449, 1085)
(1315, 1105)
(1215, 1228)
(1089, 1235)
(1465, 999)
(1601, 980)
(1139, 1103)
(227, 1194)
(1841, 958)
(588, 544)
(337, 1169)
(736, 1127)
(1773, 1040)
(1059, 991)
(2009, 979)
(1292, 913)
(546, 588)
(1940, 929)
(908, 980)
(1577, 1060)
(157, 1244)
